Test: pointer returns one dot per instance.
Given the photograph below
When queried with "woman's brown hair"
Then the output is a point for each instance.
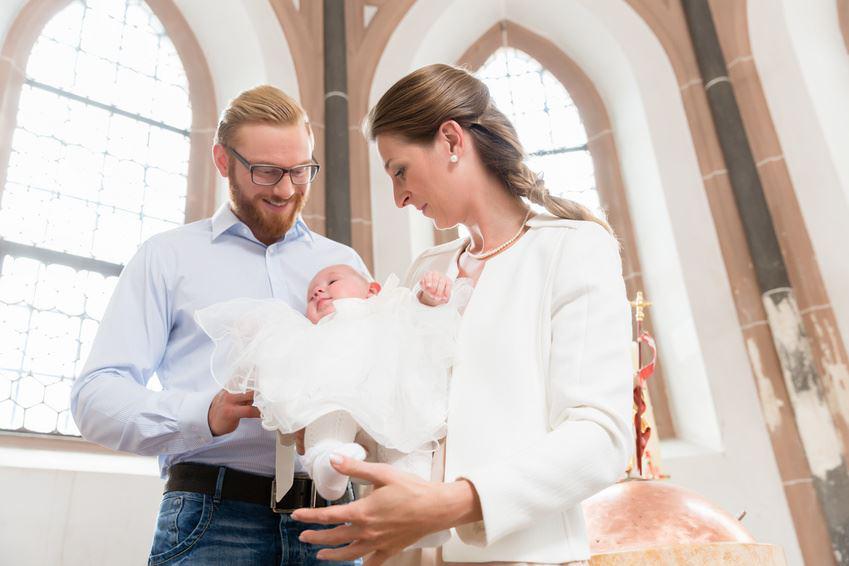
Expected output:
(415, 106)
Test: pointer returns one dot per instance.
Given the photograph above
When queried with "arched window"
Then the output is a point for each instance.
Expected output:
(98, 163)
(564, 127)
(547, 121)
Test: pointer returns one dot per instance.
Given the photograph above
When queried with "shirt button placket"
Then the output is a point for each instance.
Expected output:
(269, 269)
(276, 278)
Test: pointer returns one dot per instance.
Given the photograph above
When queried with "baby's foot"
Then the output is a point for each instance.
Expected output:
(329, 483)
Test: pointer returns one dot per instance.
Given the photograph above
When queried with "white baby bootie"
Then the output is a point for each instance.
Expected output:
(329, 483)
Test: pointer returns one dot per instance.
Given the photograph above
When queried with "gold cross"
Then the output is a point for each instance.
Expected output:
(639, 305)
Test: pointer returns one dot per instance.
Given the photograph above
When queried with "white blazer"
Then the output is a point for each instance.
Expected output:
(541, 394)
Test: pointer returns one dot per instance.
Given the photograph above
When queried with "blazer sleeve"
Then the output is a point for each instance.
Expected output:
(589, 398)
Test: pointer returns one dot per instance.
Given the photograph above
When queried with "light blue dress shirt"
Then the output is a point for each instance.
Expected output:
(149, 328)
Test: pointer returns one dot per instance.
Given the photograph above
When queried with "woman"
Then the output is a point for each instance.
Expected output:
(540, 398)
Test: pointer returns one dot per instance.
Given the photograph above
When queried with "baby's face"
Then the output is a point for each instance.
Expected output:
(331, 283)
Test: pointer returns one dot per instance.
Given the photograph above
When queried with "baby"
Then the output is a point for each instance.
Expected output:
(334, 432)
(344, 282)
(364, 358)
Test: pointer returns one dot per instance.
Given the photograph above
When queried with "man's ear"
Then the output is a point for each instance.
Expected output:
(220, 158)
(373, 289)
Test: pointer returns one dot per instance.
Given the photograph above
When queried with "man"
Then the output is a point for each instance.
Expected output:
(218, 460)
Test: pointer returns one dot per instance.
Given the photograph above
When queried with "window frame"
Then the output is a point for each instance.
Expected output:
(17, 45)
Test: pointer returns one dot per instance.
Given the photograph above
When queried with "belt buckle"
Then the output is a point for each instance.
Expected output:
(274, 501)
(284, 511)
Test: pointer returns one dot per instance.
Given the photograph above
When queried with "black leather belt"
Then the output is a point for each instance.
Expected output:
(244, 486)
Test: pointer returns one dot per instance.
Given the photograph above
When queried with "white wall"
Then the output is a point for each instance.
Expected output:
(802, 60)
(72, 506)
(244, 47)
(724, 450)
(8, 11)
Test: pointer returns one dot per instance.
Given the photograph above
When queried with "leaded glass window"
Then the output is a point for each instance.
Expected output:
(98, 163)
(547, 121)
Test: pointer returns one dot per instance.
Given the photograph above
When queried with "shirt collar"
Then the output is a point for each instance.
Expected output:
(224, 219)
(302, 230)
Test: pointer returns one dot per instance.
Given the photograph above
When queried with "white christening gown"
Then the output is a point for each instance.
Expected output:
(384, 360)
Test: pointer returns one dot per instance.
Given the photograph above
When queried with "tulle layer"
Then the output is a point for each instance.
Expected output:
(385, 360)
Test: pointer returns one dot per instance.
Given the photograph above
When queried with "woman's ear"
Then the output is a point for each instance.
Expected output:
(452, 135)
(373, 289)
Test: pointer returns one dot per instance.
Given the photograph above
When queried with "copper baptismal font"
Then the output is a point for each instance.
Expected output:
(644, 519)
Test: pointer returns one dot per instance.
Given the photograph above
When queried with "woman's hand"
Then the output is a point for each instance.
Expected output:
(402, 509)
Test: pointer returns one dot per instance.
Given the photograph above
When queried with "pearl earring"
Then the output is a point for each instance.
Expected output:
(453, 158)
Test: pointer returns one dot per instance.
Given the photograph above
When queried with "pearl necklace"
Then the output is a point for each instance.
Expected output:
(502, 247)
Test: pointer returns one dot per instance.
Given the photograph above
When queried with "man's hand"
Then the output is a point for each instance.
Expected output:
(227, 409)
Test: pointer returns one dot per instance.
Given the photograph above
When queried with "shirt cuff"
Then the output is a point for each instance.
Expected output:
(194, 418)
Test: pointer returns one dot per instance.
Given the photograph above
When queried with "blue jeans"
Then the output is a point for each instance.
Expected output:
(193, 528)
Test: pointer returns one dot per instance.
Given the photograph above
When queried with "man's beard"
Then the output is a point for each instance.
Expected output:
(267, 226)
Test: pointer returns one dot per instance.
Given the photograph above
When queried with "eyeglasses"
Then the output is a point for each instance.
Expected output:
(262, 174)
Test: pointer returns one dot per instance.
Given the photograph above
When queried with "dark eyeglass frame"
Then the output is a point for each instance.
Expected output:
(313, 169)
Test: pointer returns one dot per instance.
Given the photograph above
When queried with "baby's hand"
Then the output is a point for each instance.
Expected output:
(436, 288)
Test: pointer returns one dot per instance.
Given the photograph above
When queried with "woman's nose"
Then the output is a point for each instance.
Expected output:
(402, 199)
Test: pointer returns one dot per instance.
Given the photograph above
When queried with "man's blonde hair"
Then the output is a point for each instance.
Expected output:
(263, 104)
